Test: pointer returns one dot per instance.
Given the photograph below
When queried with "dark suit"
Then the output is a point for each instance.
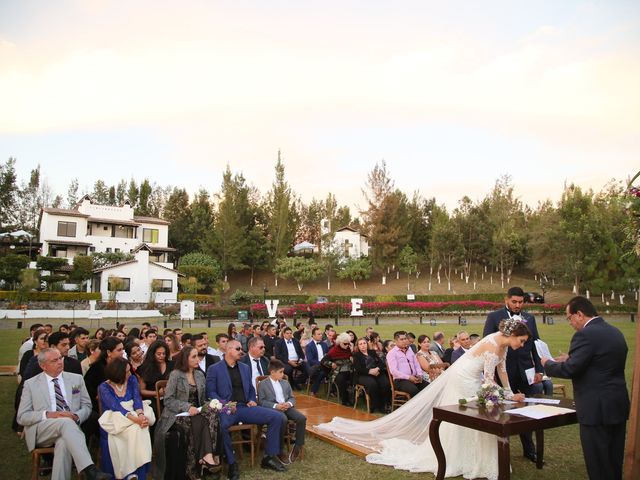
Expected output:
(518, 361)
(269, 344)
(595, 365)
(457, 353)
(436, 347)
(264, 365)
(282, 354)
(316, 371)
(219, 387)
(208, 361)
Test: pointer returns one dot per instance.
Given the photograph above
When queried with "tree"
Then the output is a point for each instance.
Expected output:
(143, 208)
(298, 268)
(331, 255)
(112, 195)
(72, 193)
(228, 239)
(105, 259)
(408, 262)
(446, 245)
(100, 193)
(121, 193)
(202, 221)
(201, 266)
(8, 192)
(281, 216)
(132, 193)
(356, 269)
(178, 211)
(82, 270)
(30, 202)
(10, 267)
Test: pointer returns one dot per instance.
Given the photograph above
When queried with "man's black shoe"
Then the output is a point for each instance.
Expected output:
(531, 456)
(273, 464)
(234, 472)
(92, 473)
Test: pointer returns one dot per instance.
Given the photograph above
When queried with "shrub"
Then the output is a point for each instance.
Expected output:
(241, 297)
(54, 296)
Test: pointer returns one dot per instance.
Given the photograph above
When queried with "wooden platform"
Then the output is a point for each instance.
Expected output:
(321, 411)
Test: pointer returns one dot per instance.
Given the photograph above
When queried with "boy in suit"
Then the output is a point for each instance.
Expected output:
(276, 393)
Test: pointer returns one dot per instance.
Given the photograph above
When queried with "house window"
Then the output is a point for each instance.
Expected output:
(125, 284)
(66, 229)
(92, 249)
(161, 285)
(150, 235)
(108, 250)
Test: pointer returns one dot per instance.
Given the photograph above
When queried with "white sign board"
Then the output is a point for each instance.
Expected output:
(356, 307)
(187, 310)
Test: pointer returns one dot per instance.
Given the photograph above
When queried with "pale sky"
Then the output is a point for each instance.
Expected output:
(450, 94)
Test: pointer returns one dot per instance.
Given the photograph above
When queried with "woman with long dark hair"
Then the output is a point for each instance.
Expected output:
(156, 366)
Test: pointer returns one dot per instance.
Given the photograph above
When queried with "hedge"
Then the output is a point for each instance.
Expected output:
(196, 297)
(53, 296)
(311, 299)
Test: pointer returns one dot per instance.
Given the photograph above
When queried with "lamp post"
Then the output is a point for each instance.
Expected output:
(264, 293)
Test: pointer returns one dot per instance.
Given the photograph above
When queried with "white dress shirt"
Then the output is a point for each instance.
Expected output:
(277, 388)
(293, 355)
(319, 349)
(255, 373)
(52, 393)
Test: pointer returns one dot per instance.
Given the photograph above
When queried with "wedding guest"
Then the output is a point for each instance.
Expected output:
(270, 341)
(289, 351)
(93, 347)
(174, 347)
(27, 345)
(232, 331)
(276, 393)
(221, 344)
(134, 333)
(155, 367)
(453, 344)
(372, 373)
(205, 360)
(473, 339)
(437, 345)
(354, 339)
(315, 350)
(40, 342)
(465, 344)
(429, 360)
(150, 336)
(404, 367)
(120, 387)
(595, 364)
(135, 355)
(80, 339)
(411, 338)
(186, 393)
(110, 349)
(374, 343)
(99, 334)
(339, 363)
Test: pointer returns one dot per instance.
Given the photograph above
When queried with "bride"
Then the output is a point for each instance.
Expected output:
(401, 439)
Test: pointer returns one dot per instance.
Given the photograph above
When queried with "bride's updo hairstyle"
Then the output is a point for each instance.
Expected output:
(514, 328)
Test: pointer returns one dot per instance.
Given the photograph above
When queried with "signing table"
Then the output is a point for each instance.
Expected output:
(499, 423)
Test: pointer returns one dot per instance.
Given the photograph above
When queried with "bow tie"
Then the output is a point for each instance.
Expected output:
(318, 343)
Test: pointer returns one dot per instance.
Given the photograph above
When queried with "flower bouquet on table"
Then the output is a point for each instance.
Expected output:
(226, 408)
(488, 396)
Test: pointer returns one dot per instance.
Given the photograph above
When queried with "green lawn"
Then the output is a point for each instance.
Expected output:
(563, 455)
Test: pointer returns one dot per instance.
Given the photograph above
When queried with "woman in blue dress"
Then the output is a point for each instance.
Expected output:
(119, 387)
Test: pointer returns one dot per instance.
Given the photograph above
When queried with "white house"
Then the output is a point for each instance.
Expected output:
(351, 243)
(141, 280)
(89, 228)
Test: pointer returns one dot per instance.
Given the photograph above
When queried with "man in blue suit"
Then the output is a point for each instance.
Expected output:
(230, 381)
(522, 359)
(315, 350)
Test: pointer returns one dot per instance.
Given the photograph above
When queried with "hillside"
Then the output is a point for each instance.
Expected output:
(394, 286)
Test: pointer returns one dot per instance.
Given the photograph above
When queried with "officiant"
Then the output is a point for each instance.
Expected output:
(523, 365)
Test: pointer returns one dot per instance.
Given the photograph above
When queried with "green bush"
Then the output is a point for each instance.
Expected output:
(241, 297)
(197, 297)
(387, 298)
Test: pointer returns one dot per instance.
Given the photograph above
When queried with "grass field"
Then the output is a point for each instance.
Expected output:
(563, 455)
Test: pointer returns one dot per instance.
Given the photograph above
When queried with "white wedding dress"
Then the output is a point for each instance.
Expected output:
(402, 437)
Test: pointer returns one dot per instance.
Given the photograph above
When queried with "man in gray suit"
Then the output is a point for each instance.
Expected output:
(274, 392)
(53, 405)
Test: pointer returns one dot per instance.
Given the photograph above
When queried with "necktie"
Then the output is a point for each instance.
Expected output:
(61, 404)
(258, 366)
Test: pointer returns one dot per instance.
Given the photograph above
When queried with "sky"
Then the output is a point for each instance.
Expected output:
(451, 95)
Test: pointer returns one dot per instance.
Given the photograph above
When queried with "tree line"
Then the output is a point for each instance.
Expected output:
(582, 240)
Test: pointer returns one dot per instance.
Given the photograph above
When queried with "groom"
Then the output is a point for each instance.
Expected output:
(595, 364)
(518, 361)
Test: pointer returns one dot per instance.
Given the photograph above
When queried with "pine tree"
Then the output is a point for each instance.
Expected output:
(142, 208)
(178, 211)
(72, 194)
(8, 193)
(100, 193)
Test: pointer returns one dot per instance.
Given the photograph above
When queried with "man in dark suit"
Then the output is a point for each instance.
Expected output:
(438, 344)
(465, 344)
(205, 360)
(255, 358)
(270, 340)
(53, 405)
(315, 350)
(595, 364)
(230, 381)
(289, 351)
(521, 360)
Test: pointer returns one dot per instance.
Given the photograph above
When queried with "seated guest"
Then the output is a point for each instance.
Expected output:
(372, 373)
(230, 381)
(276, 393)
(221, 344)
(205, 359)
(135, 355)
(411, 338)
(270, 338)
(429, 361)
(110, 348)
(374, 343)
(354, 339)
(40, 341)
(453, 345)
(93, 347)
(315, 350)
(437, 345)
(80, 339)
(27, 344)
(59, 341)
(473, 339)
(150, 336)
(120, 387)
(174, 346)
(186, 340)
(155, 367)
(289, 351)
(186, 392)
(99, 334)
(255, 358)
(52, 406)
(465, 345)
(338, 362)
(404, 367)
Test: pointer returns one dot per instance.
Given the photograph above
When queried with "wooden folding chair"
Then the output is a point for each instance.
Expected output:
(359, 389)
(36, 453)
(398, 398)
(161, 385)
